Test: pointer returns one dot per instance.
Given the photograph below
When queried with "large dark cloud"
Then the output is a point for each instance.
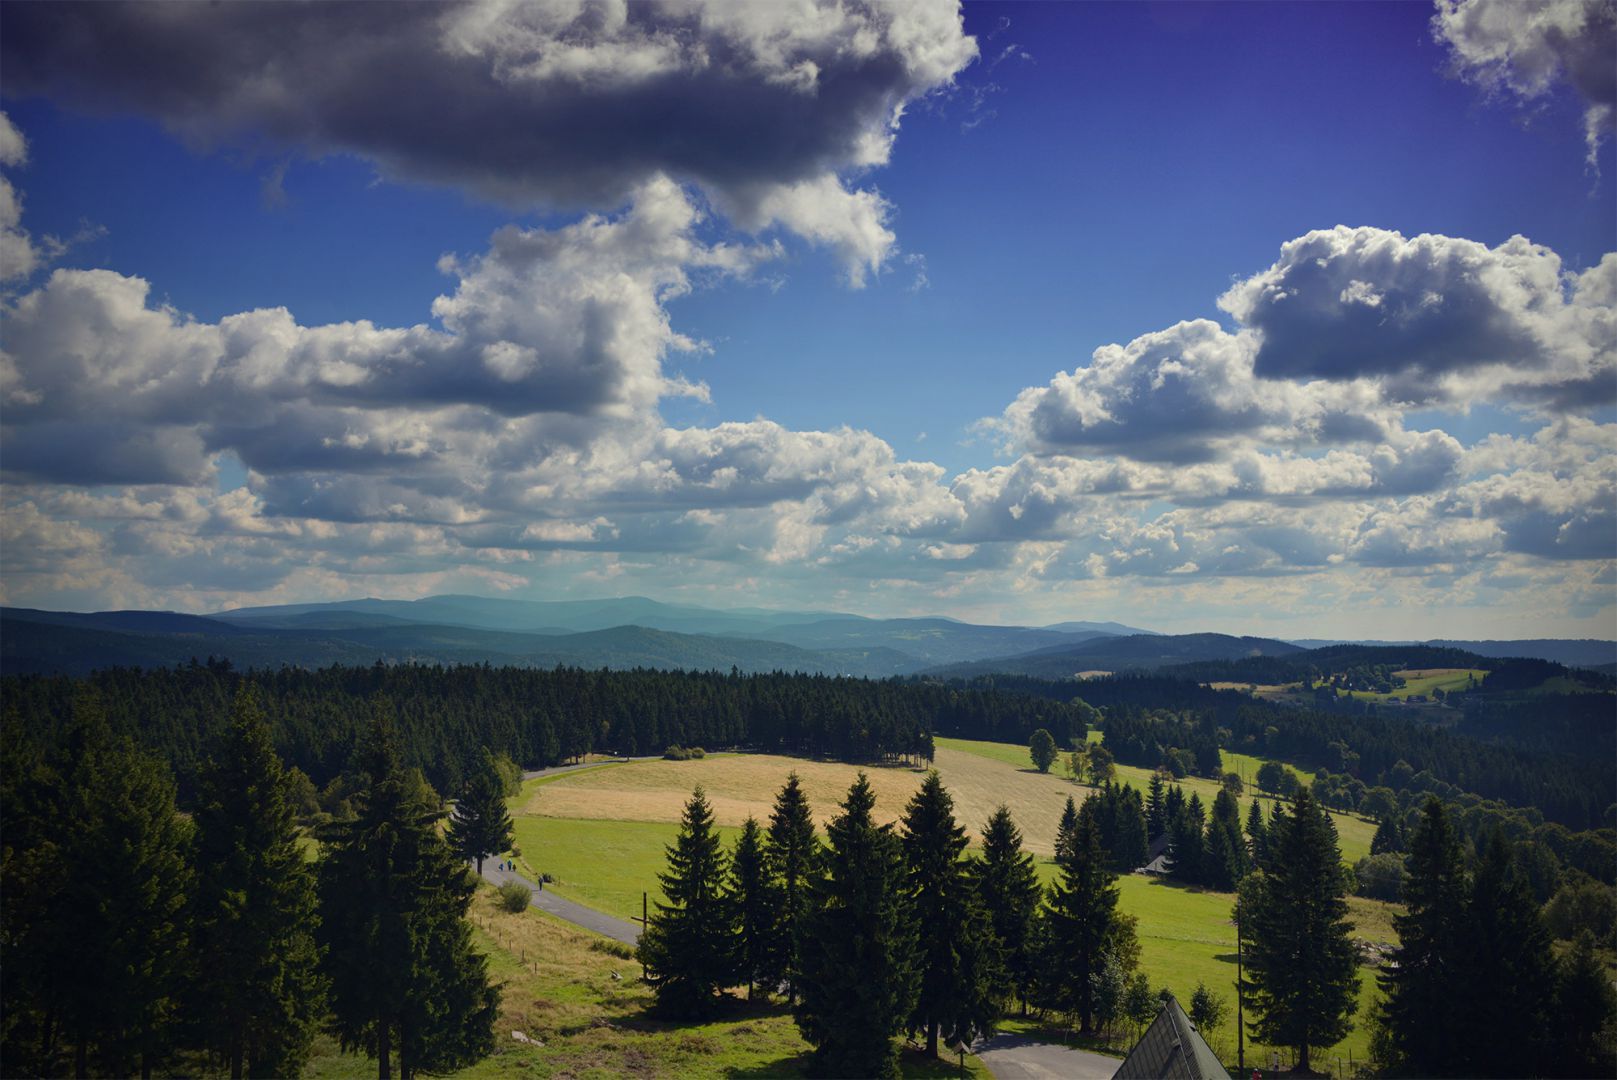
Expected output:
(552, 102)
(1423, 313)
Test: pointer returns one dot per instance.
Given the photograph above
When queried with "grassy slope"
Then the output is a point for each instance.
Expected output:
(607, 860)
(560, 990)
(1424, 681)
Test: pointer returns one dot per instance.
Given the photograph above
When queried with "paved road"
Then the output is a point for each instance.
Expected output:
(577, 914)
(1018, 1057)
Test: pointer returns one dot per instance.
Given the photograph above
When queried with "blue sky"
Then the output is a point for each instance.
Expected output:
(1401, 427)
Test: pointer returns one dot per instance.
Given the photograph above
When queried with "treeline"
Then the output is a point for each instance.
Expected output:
(1573, 788)
(140, 941)
(1183, 744)
(447, 715)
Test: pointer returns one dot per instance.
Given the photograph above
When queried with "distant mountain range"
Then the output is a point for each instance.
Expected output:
(1110, 654)
(632, 632)
(618, 633)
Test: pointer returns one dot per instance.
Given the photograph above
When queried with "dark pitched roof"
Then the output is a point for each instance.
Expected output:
(1171, 1047)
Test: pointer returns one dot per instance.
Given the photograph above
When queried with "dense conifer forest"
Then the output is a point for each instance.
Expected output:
(447, 715)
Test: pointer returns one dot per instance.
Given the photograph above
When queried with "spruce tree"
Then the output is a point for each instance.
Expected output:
(1082, 920)
(957, 957)
(688, 945)
(1187, 842)
(1422, 990)
(1156, 820)
(1585, 1010)
(1133, 844)
(1509, 984)
(480, 825)
(35, 825)
(794, 858)
(405, 978)
(1301, 964)
(1256, 833)
(1388, 837)
(856, 947)
(1008, 886)
(257, 994)
(755, 899)
(124, 911)
(1066, 830)
(1224, 859)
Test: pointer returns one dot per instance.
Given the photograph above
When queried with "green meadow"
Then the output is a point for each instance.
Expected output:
(607, 862)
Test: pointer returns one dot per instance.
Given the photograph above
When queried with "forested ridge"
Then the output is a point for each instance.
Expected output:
(446, 715)
(1545, 762)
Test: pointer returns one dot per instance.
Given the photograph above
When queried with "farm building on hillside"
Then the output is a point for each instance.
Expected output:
(1171, 1047)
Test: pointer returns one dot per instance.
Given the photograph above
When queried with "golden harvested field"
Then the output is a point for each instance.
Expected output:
(978, 775)
(746, 784)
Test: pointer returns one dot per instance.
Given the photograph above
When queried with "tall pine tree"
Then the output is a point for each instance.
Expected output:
(856, 947)
(1585, 1011)
(1256, 833)
(1301, 964)
(688, 945)
(957, 957)
(1008, 886)
(257, 994)
(794, 860)
(1082, 921)
(755, 901)
(405, 978)
(1510, 975)
(1066, 830)
(124, 909)
(1156, 811)
(1421, 1012)
(480, 825)
(1224, 858)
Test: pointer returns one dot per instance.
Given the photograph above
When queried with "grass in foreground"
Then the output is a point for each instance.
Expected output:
(559, 989)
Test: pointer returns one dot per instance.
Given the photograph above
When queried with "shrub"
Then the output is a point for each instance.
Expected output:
(515, 896)
(613, 948)
(680, 753)
(1381, 877)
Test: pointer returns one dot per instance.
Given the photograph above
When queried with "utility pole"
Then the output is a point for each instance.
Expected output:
(642, 922)
(1240, 1020)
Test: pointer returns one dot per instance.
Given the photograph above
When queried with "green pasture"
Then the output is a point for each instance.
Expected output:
(1186, 935)
(1444, 679)
(1354, 833)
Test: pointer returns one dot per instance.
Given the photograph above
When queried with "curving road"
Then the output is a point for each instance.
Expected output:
(1018, 1057)
(575, 913)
